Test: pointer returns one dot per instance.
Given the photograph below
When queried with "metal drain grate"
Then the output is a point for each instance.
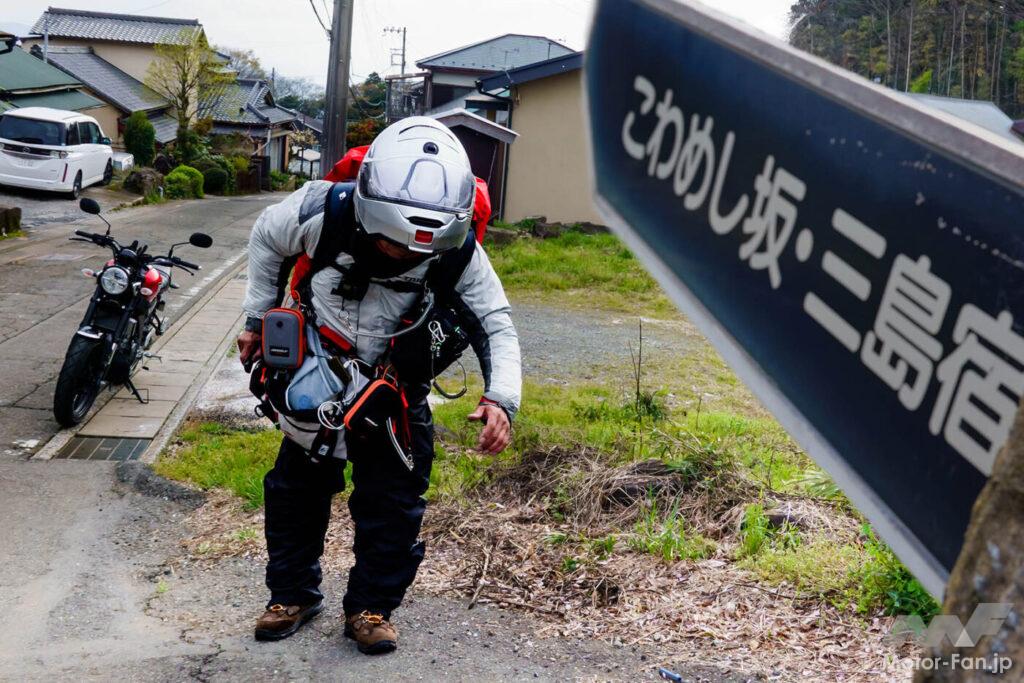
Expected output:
(102, 448)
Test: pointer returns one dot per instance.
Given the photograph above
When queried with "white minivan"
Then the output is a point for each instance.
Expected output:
(53, 149)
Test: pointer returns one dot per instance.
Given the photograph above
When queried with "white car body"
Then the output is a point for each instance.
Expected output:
(52, 149)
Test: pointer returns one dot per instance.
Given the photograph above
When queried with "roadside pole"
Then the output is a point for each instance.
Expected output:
(335, 119)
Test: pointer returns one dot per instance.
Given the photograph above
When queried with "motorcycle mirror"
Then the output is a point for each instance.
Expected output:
(201, 240)
(89, 205)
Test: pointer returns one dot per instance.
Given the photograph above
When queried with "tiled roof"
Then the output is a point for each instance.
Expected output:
(165, 128)
(245, 102)
(21, 72)
(504, 52)
(103, 78)
(126, 28)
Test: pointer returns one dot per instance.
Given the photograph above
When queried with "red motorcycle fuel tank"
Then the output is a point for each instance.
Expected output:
(152, 281)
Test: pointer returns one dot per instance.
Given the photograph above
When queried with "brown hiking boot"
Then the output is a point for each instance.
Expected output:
(281, 621)
(374, 635)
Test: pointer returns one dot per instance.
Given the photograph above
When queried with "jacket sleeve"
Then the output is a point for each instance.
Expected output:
(281, 232)
(486, 308)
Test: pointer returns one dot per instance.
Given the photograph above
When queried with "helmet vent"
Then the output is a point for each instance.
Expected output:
(425, 222)
(430, 148)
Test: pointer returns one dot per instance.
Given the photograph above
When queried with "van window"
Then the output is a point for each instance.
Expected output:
(73, 138)
(89, 133)
(31, 131)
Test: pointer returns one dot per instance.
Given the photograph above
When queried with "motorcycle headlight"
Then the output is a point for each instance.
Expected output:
(114, 281)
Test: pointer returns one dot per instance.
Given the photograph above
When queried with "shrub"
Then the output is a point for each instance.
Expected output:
(184, 182)
(140, 138)
(229, 171)
(215, 180)
(241, 163)
(278, 180)
(177, 186)
(189, 146)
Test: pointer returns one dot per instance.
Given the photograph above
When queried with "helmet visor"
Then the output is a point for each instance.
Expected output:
(426, 183)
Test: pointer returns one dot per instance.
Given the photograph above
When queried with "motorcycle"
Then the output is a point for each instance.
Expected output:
(122, 321)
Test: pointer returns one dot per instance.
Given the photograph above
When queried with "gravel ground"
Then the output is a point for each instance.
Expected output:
(567, 346)
(39, 208)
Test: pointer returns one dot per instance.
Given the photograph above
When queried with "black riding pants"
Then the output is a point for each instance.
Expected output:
(387, 508)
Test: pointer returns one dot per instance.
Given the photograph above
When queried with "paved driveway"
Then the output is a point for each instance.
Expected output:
(40, 208)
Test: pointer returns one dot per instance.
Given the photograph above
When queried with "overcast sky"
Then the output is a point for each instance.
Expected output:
(285, 33)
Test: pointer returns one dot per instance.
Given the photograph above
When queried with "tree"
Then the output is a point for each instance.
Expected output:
(244, 62)
(300, 94)
(362, 132)
(186, 72)
(973, 48)
(140, 138)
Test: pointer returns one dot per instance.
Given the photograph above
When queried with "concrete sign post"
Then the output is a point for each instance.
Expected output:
(856, 258)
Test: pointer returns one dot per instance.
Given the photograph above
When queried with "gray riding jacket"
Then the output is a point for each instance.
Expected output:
(293, 227)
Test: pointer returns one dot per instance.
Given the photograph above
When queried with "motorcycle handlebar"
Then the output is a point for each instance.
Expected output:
(186, 264)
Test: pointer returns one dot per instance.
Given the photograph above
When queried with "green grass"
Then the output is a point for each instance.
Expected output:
(214, 456)
(575, 269)
(11, 234)
(667, 536)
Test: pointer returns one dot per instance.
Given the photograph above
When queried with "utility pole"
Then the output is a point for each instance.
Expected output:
(397, 29)
(335, 118)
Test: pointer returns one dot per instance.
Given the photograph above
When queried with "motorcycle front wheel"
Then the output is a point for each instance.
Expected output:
(79, 382)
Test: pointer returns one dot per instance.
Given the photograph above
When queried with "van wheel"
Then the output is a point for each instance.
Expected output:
(76, 189)
(108, 173)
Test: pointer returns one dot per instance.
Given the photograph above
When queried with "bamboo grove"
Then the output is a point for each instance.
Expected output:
(972, 49)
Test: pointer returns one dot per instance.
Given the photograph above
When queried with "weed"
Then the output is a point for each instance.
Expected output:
(819, 568)
(884, 583)
(246, 534)
(603, 547)
(758, 534)
(556, 538)
(668, 537)
(570, 564)
(162, 587)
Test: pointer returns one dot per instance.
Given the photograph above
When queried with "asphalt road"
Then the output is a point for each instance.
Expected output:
(93, 581)
(43, 296)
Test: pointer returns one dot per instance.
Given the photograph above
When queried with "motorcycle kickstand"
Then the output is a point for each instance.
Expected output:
(135, 391)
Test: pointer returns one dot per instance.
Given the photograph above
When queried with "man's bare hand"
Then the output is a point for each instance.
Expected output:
(497, 432)
(249, 349)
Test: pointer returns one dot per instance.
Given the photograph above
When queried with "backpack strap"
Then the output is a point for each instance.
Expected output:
(339, 224)
(444, 273)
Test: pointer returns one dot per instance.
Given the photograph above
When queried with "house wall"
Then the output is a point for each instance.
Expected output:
(107, 116)
(131, 58)
(549, 164)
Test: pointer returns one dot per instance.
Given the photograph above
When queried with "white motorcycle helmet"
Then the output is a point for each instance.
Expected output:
(416, 187)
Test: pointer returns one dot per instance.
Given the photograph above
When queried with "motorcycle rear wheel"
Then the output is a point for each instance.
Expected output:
(79, 382)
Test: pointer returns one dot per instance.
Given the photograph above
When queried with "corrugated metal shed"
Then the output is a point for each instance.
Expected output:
(126, 28)
(105, 79)
(504, 52)
(979, 112)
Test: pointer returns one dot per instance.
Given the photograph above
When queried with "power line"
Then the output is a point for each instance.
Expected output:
(322, 24)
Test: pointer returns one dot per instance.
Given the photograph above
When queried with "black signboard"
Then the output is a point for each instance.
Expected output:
(857, 259)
